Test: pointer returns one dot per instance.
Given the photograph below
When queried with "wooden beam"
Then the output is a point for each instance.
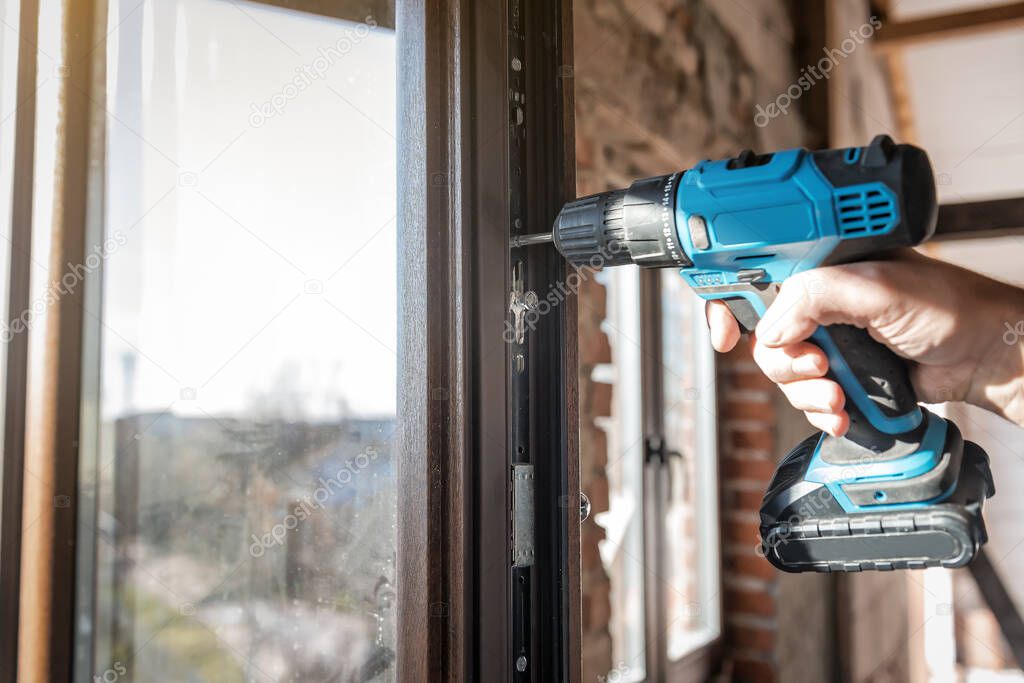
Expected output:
(894, 34)
(898, 84)
(973, 220)
(999, 600)
(380, 11)
(810, 21)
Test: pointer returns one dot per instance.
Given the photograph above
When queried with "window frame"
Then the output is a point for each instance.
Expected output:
(698, 664)
(455, 261)
(456, 394)
(460, 182)
(53, 386)
(17, 349)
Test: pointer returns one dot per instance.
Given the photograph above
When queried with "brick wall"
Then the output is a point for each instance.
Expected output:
(659, 85)
(595, 402)
(747, 446)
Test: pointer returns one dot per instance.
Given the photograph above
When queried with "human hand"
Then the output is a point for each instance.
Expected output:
(948, 322)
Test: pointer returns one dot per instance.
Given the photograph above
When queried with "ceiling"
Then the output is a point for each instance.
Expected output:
(967, 100)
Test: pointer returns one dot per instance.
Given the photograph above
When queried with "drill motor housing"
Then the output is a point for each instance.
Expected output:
(902, 489)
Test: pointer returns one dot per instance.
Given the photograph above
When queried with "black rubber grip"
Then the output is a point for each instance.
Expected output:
(880, 399)
(744, 312)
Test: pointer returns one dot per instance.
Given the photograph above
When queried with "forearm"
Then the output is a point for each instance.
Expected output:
(999, 386)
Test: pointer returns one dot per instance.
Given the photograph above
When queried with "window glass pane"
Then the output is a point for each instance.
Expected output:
(690, 518)
(622, 550)
(244, 524)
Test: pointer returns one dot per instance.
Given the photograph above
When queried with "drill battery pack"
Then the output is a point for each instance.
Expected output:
(844, 523)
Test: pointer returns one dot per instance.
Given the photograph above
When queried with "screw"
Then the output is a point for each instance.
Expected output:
(584, 507)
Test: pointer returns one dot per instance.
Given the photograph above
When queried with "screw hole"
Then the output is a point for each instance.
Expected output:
(880, 496)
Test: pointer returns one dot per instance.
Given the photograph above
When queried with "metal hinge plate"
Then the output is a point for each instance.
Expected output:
(522, 515)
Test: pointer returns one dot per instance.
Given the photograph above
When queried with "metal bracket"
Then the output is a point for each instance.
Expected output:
(522, 515)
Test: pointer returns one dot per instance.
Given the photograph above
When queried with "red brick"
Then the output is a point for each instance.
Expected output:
(584, 151)
(751, 565)
(749, 468)
(594, 446)
(600, 403)
(758, 438)
(590, 535)
(746, 531)
(590, 182)
(748, 410)
(593, 294)
(749, 601)
(594, 347)
(596, 606)
(597, 492)
(741, 353)
(742, 499)
(752, 638)
(752, 671)
(750, 380)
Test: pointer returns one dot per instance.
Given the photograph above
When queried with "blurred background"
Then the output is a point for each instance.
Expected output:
(236, 494)
(660, 85)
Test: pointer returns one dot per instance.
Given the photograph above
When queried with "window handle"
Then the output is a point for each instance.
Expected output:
(671, 477)
(655, 451)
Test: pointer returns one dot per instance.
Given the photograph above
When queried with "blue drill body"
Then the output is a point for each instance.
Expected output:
(902, 488)
(785, 217)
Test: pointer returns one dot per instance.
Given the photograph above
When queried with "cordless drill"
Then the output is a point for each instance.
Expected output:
(902, 489)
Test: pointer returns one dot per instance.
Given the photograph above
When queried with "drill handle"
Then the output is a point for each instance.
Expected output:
(880, 399)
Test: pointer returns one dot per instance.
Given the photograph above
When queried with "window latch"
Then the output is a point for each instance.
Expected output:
(655, 451)
(520, 302)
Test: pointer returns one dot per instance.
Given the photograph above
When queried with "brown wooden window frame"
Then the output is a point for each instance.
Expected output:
(464, 613)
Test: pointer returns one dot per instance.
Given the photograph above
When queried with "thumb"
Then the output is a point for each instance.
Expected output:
(851, 294)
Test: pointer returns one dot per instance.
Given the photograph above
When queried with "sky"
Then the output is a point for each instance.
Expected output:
(251, 203)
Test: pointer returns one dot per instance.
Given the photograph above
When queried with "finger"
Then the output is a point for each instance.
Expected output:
(836, 425)
(855, 293)
(802, 360)
(815, 395)
(725, 331)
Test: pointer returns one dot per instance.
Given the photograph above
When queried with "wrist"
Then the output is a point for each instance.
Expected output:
(999, 385)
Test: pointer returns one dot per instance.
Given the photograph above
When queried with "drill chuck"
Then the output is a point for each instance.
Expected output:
(620, 227)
